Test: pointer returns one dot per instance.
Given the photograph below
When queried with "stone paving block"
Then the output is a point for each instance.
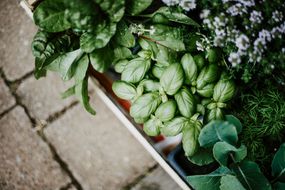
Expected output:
(26, 162)
(43, 96)
(6, 98)
(158, 179)
(16, 33)
(100, 151)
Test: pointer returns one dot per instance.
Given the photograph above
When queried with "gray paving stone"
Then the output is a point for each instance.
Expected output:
(16, 33)
(100, 151)
(43, 96)
(6, 98)
(25, 160)
(158, 179)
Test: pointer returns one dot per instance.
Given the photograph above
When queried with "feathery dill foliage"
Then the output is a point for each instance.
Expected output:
(263, 116)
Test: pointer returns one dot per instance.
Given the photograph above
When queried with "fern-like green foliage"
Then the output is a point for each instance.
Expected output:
(263, 116)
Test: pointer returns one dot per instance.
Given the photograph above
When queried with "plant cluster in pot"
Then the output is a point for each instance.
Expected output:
(181, 76)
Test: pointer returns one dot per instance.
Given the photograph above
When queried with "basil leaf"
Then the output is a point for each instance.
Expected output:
(166, 110)
(113, 8)
(172, 79)
(278, 164)
(173, 127)
(81, 92)
(250, 176)
(157, 71)
(136, 70)
(149, 85)
(140, 120)
(138, 6)
(123, 36)
(221, 151)
(224, 91)
(207, 91)
(122, 53)
(151, 127)
(190, 68)
(65, 64)
(121, 65)
(214, 114)
(209, 74)
(190, 134)
(149, 46)
(216, 131)
(186, 102)
(90, 41)
(230, 182)
(50, 15)
(124, 90)
(165, 56)
(101, 59)
(145, 105)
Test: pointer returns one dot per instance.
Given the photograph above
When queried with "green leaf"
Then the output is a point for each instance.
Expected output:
(124, 90)
(278, 164)
(66, 64)
(190, 134)
(173, 127)
(68, 92)
(209, 181)
(216, 131)
(209, 74)
(122, 53)
(149, 85)
(235, 121)
(101, 59)
(230, 182)
(222, 150)
(120, 65)
(115, 9)
(207, 91)
(189, 67)
(203, 156)
(214, 114)
(90, 41)
(81, 92)
(157, 71)
(136, 70)
(165, 56)
(172, 79)
(166, 110)
(123, 36)
(145, 105)
(138, 6)
(250, 176)
(81, 68)
(50, 15)
(151, 127)
(186, 102)
(175, 16)
(224, 91)
(279, 186)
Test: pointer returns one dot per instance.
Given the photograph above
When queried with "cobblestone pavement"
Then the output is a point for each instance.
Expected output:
(47, 143)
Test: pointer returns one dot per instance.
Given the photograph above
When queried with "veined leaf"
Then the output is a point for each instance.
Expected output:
(174, 126)
(101, 59)
(166, 110)
(138, 6)
(278, 164)
(186, 102)
(123, 36)
(151, 127)
(190, 68)
(235, 121)
(124, 90)
(202, 157)
(230, 182)
(190, 134)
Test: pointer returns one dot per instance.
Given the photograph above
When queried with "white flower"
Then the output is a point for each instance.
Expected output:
(277, 16)
(242, 42)
(170, 2)
(265, 34)
(237, 9)
(200, 46)
(234, 59)
(188, 5)
(255, 17)
(219, 41)
(205, 13)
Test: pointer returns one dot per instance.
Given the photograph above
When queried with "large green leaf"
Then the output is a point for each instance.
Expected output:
(114, 9)
(186, 102)
(124, 90)
(230, 182)
(222, 151)
(216, 131)
(101, 59)
(279, 186)
(66, 64)
(224, 90)
(90, 41)
(235, 121)
(173, 127)
(137, 6)
(81, 92)
(190, 134)
(149, 85)
(151, 127)
(250, 176)
(50, 15)
(278, 164)
(190, 68)
(136, 70)
(81, 68)
(123, 36)
(172, 78)
(145, 105)
(166, 110)
(203, 156)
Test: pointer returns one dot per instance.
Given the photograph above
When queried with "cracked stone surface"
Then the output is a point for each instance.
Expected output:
(25, 160)
(100, 151)
(6, 98)
(157, 180)
(43, 96)
(16, 33)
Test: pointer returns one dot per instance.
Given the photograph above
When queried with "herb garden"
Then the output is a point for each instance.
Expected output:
(211, 70)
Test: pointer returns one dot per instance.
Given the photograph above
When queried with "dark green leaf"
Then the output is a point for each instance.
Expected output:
(235, 121)
(222, 150)
(123, 36)
(278, 164)
(203, 156)
(216, 131)
(250, 176)
(230, 182)
(172, 79)
(101, 59)
(279, 186)
(138, 6)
